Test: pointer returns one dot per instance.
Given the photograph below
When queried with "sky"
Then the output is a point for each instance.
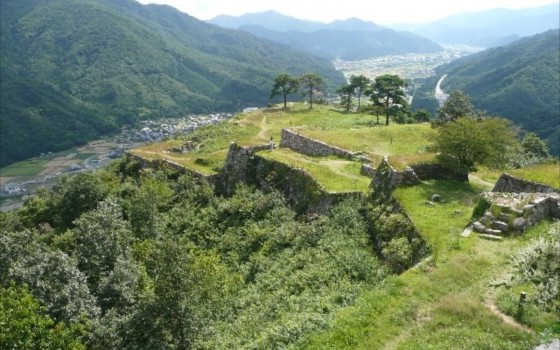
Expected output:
(380, 12)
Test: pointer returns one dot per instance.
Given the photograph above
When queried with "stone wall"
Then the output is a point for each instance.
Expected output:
(305, 145)
(434, 171)
(515, 212)
(387, 178)
(509, 183)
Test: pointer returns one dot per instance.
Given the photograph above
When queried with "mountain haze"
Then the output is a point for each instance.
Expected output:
(351, 39)
(520, 81)
(86, 67)
(489, 28)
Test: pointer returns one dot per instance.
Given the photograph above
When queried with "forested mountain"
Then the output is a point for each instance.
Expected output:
(74, 69)
(520, 81)
(351, 39)
(489, 28)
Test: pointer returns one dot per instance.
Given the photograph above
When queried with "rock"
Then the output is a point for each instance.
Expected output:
(500, 225)
(519, 224)
(505, 217)
(467, 232)
(491, 237)
(494, 232)
(436, 198)
(479, 227)
(430, 203)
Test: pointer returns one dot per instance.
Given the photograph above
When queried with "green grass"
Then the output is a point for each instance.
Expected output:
(333, 174)
(351, 131)
(438, 304)
(30, 167)
(548, 173)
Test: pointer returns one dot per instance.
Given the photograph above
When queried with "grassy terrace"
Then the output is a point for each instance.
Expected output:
(443, 304)
(334, 174)
(351, 131)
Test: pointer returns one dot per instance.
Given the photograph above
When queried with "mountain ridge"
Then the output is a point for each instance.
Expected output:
(126, 61)
(350, 39)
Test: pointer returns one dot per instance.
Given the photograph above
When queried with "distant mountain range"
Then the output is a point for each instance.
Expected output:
(351, 39)
(519, 81)
(488, 28)
(75, 69)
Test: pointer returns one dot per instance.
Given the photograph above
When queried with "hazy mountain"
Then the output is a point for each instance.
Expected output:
(520, 81)
(85, 67)
(271, 20)
(489, 28)
(350, 39)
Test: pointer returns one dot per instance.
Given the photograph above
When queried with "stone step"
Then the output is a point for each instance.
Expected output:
(490, 237)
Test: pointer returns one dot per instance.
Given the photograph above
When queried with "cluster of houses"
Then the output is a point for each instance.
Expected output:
(158, 130)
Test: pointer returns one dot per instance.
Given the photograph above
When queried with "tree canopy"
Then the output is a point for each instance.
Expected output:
(311, 83)
(387, 92)
(284, 85)
(466, 143)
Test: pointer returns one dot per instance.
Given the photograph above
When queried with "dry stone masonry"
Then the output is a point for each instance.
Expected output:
(305, 145)
(515, 205)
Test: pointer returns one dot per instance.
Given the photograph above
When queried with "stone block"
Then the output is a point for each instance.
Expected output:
(479, 227)
(500, 225)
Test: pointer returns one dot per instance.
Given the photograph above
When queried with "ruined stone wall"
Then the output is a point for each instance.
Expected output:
(155, 163)
(305, 145)
(509, 183)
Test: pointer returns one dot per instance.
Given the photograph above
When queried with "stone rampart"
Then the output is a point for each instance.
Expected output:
(305, 145)
(155, 163)
(509, 183)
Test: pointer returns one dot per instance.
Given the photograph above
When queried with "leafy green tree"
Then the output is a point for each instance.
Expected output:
(311, 83)
(422, 115)
(52, 276)
(532, 145)
(387, 91)
(103, 241)
(24, 324)
(360, 84)
(79, 194)
(346, 92)
(284, 85)
(457, 105)
(467, 143)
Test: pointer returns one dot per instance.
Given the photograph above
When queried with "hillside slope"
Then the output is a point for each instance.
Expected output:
(520, 81)
(351, 39)
(125, 61)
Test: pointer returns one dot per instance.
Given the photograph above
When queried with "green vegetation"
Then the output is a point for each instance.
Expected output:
(100, 65)
(467, 142)
(350, 131)
(30, 167)
(387, 92)
(546, 173)
(441, 303)
(106, 251)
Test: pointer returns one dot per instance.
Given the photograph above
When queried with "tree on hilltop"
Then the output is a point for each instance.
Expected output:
(387, 92)
(346, 92)
(360, 84)
(284, 85)
(457, 105)
(311, 82)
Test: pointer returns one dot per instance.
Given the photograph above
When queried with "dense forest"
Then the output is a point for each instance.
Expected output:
(73, 70)
(130, 258)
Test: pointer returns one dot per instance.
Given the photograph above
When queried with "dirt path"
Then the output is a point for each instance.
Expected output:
(264, 129)
(486, 184)
(489, 303)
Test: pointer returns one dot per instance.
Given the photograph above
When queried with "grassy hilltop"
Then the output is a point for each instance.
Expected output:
(455, 299)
